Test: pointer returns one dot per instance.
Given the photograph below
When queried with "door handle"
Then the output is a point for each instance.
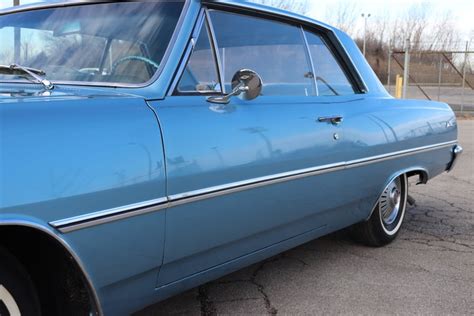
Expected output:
(334, 120)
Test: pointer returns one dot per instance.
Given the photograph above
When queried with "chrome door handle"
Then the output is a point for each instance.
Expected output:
(334, 120)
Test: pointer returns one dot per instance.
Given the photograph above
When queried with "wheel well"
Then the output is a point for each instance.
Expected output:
(61, 286)
(422, 175)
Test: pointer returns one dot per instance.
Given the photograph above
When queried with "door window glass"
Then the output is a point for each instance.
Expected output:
(276, 51)
(200, 74)
(330, 77)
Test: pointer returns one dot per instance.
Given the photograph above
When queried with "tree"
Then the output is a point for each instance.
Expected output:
(298, 6)
(343, 15)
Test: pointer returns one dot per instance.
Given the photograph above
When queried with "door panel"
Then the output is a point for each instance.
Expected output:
(248, 140)
(237, 174)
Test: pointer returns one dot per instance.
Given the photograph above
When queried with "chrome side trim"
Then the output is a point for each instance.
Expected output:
(101, 217)
(397, 154)
(197, 195)
(109, 215)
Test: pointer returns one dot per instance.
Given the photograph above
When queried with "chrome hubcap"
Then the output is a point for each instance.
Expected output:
(9, 302)
(390, 202)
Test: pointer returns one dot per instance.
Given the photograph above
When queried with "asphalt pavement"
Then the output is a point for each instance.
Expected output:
(428, 270)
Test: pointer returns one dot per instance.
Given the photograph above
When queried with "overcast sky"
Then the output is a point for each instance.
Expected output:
(463, 10)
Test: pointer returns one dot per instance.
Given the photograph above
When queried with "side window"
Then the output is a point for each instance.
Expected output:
(330, 77)
(276, 51)
(200, 74)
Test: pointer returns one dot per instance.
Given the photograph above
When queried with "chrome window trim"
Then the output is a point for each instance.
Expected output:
(110, 215)
(364, 87)
(188, 52)
(215, 47)
(153, 79)
(311, 62)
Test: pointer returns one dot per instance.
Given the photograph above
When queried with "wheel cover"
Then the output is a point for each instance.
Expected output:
(9, 302)
(390, 202)
(392, 205)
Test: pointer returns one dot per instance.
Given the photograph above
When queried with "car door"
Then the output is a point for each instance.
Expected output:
(249, 174)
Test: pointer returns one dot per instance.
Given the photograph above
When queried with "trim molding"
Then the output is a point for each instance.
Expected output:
(101, 217)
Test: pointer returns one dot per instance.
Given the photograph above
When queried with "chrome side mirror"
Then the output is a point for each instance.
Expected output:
(246, 84)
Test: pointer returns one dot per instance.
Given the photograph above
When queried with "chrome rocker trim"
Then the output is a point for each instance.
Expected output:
(101, 217)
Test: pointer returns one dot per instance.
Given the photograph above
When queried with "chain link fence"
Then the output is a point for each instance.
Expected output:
(435, 74)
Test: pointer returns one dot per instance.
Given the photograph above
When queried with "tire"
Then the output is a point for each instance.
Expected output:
(17, 293)
(387, 218)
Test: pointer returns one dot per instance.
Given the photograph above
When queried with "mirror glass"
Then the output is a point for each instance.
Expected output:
(250, 81)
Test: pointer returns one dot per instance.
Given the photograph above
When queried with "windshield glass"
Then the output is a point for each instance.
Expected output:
(121, 42)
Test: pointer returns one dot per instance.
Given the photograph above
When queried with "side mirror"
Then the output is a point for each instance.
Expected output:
(246, 84)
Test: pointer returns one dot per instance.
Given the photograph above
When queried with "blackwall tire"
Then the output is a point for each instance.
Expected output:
(17, 292)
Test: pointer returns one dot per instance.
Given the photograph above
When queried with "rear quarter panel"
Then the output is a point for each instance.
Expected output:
(375, 127)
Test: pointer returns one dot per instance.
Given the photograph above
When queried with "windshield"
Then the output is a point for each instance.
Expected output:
(111, 43)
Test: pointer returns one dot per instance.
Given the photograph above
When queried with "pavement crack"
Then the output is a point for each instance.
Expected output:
(271, 310)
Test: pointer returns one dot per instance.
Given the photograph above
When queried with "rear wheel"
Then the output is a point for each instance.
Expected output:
(17, 293)
(387, 217)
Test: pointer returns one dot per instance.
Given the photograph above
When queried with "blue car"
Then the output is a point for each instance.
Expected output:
(147, 147)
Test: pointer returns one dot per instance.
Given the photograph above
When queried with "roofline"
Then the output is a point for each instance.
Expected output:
(227, 3)
(236, 4)
(41, 5)
(54, 4)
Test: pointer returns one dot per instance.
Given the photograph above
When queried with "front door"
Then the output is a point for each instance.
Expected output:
(249, 174)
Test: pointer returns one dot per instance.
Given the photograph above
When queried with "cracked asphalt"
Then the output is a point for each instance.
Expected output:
(429, 269)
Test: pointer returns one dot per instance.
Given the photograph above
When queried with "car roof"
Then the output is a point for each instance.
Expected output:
(228, 3)
(268, 9)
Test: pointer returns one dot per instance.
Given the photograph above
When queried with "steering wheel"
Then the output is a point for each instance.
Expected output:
(132, 58)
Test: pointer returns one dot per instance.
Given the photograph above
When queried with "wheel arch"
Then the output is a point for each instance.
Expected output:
(43, 231)
(421, 172)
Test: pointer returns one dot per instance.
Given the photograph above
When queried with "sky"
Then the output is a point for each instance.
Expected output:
(462, 10)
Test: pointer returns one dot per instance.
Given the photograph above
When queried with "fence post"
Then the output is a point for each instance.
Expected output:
(464, 77)
(398, 86)
(389, 66)
(406, 71)
(440, 70)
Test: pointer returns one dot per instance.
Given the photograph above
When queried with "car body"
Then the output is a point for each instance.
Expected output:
(149, 188)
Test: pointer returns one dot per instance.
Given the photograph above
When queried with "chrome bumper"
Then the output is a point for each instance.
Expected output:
(457, 151)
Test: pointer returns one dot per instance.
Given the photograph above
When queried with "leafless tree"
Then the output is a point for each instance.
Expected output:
(298, 6)
(443, 35)
(412, 25)
(343, 15)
